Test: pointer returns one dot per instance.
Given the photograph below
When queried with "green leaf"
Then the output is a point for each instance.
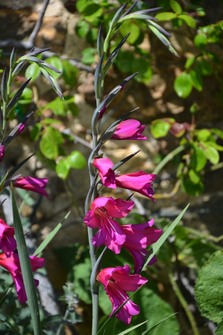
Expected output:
(211, 153)
(88, 56)
(144, 68)
(183, 85)
(75, 160)
(125, 60)
(62, 107)
(194, 177)
(219, 330)
(50, 142)
(196, 80)
(150, 303)
(32, 71)
(198, 159)
(82, 28)
(189, 62)
(70, 73)
(132, 28)
(27, 273)
(175, 6)
(190, 187)
(50, 236)
(62, 168)
(203, 135)
(200, 41)
(156, 246)
(217, 132)
(209, 288)
(127, 331)
(154, 27)
(92, 11)
(159, 128)
(204, 67)
(165, 16)
(189, 20)
(81, 274)
(57, 63)
(26, 97)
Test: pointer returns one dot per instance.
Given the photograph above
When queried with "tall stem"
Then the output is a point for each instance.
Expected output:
(184, 304)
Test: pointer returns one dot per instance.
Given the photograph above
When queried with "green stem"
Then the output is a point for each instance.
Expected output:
(184, 304)
(64, 319)
(168, 158)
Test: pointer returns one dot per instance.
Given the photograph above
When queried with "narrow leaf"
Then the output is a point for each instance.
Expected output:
(127, 331)
(53, 82)
(100, 42)
(160, 33)
(51, 235)
(124, 160)
(18, 166)
(37, 51)
(4, 86)
(158, 323)
(98, 78)
(26, 268)
(114, 54)
(156, 246)
(12, 58)
(18, 94)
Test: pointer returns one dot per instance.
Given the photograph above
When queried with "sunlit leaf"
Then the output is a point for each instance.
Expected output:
(183, 85)
(209, 288)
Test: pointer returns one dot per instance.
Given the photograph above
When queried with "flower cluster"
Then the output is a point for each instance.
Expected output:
(9, 258)
(104, 215)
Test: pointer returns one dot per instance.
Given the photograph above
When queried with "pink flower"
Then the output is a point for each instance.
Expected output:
(105, 170)
(31, 184)
(116, 282)
(129, 129)
(139, 181)
(101, 215)
(7, 241)
(138, 238)
(2, 152)
(12, 265)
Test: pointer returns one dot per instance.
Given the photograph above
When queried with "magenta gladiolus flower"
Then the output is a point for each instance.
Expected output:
(101, 215)
(117, 281)
(2, 152)
(12, 265)
(7, 241)
(139, 181)
(31, 184)
(129, 130)
(107, 175)
(138, 238)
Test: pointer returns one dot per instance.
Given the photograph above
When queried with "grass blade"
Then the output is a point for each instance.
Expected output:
(127, 331)
(156, 246)
(26, 268)
(51, 235)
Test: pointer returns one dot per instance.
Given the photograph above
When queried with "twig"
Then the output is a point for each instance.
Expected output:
(170, 194)
(30, 43)
(77, 138)
(184, 304)
(168, 158)
(39, 22)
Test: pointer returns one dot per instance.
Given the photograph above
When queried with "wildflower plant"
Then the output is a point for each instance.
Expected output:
(14, 256)
(103, 213)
